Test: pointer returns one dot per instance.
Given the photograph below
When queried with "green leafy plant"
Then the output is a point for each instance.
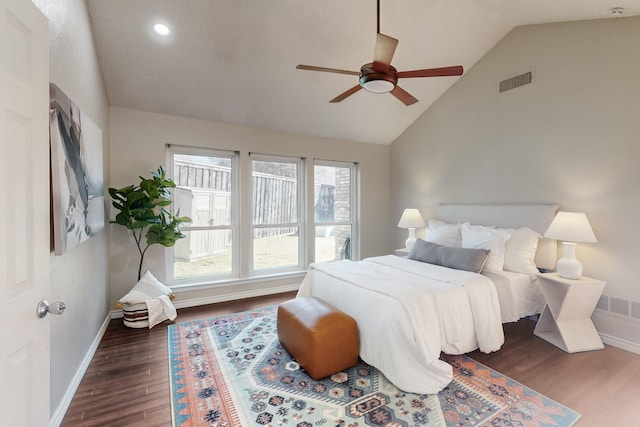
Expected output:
(142, 210)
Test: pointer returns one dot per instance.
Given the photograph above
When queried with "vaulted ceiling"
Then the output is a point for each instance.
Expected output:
(235, 60)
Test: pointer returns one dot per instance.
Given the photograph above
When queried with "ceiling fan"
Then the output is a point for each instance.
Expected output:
(380, 76)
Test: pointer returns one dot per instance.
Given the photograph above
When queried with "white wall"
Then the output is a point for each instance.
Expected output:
(571, 137)
(78, 277)
(138, 142)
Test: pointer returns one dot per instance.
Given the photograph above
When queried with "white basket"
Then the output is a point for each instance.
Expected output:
(135, 315)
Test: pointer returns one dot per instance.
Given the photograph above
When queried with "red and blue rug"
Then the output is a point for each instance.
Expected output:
(232, 371)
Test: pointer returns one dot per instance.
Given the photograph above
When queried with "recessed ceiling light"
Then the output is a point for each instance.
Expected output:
(161, 29)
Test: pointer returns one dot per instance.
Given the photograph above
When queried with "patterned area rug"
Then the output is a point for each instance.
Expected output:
(232, 371)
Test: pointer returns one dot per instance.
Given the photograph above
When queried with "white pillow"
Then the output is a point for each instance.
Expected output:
(481, 237)
(520, 251)
(148, 288)
(442, 233)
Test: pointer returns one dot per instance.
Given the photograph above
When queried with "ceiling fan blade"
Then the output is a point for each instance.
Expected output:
(385, 48)
(432, 72)
(346, 94)
(327, 70)
(404, 96)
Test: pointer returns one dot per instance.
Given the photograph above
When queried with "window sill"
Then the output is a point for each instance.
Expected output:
(209, 284)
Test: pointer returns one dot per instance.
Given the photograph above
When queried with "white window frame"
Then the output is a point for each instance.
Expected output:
(299, 224)
(234, 156)
(242, 227)
(354, 219)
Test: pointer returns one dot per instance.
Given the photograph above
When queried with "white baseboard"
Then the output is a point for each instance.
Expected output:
(193, 302)
(618, 330)
(620, 343)
(61, 410)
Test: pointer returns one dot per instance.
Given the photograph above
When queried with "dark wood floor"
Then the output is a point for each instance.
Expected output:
(127, 383)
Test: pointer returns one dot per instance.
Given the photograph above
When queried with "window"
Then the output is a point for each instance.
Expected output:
(276, 223)
(334, 226)
(251, 216)
(205, 191)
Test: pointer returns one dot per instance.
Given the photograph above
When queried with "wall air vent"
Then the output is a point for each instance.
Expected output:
(517, 81)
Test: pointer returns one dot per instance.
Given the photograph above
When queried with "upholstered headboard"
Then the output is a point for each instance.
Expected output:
(535, 216)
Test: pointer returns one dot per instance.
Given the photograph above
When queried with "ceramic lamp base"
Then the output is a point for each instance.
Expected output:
(568, 266)
(412, 238)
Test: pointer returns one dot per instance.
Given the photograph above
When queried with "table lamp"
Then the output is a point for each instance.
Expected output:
(411, 219)
(570, 228)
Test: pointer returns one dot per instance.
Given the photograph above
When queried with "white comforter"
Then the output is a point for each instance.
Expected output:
(408, 312)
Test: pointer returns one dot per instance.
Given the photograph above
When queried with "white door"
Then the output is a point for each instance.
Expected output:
(24, 213)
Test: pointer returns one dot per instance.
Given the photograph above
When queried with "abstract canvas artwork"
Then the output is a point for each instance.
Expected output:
(76, 173)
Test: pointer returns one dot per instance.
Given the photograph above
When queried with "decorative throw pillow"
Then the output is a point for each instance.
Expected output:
(442, 233)
(481, 237)
(520, 251)
(446, 256)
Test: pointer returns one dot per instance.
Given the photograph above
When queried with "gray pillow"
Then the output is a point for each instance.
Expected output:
(458, 258)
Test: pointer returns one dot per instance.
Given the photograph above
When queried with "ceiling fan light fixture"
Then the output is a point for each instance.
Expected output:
(377, 81)
(378, 86)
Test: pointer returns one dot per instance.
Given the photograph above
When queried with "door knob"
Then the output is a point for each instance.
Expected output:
(56, 307)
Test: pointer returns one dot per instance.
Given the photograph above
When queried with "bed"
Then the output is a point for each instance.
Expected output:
(408, 311)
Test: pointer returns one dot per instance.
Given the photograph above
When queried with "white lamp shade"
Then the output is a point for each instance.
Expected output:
(411, 218)
(571, 227)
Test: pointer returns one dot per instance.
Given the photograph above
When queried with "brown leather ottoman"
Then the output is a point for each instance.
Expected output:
(321, 338)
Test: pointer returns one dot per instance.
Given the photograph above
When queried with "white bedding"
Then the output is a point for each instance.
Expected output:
(408, 312)
(519, 294)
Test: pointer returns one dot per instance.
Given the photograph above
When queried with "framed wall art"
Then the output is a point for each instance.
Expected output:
(77, 183)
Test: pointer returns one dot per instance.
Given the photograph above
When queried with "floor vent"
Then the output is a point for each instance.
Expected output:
(517, 81)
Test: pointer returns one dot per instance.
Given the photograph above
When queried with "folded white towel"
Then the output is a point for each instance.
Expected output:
(160, 309)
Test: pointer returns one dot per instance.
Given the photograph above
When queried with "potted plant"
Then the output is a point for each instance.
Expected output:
(142, 210)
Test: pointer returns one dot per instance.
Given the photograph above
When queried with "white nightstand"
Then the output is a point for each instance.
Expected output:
(402, 252)
(566, 319)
